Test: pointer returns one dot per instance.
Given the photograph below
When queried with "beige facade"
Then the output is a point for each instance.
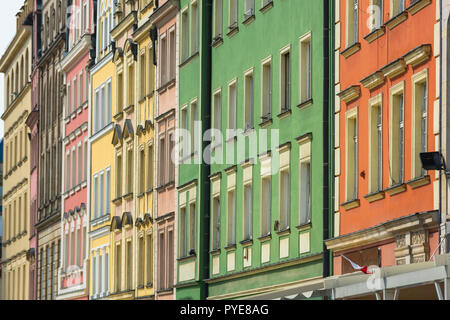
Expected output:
(16, 66)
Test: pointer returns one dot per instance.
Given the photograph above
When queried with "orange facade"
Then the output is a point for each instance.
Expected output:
(372, 64)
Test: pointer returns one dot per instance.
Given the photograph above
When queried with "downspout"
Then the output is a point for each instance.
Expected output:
(440, 129)
(326, 136)
(206, 96)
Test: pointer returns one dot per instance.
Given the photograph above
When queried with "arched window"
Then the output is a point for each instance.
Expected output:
(22, 73)
(17, 78)
(26, 66)
(13, 90)
(8, 92)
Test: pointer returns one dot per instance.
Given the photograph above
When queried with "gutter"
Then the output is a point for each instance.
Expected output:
(326, 137)
(204, 257)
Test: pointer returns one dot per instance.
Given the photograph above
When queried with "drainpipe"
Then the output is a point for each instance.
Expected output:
(206, 96)
(440, 133)
(326, 136)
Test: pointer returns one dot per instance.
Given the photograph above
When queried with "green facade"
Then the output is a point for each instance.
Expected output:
(273, 28)
(266, 32)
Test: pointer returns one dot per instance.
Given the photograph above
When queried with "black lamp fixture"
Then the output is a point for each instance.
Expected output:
(432, 161)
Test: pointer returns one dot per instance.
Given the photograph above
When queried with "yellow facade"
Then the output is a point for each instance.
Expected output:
(145, 88)
(16, 66)
(101, 160)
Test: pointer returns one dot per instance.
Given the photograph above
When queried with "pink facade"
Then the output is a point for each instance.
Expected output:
(75, 67)
(165, 141)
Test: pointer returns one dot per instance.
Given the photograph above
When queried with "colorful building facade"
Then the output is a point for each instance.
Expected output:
(51, 50)
(267, 204)
(101, 179)
(73, 274)
(386, 114)
(15, 64)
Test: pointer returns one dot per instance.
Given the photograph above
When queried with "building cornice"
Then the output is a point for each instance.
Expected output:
(16, 44)
(73, 56)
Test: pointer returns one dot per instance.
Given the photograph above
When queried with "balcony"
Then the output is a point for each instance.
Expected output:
(72, 279)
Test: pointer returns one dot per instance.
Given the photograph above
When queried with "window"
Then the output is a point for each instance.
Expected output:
(194, 131)
(172, 54)
(141, 260)
(232, 14)
(376, 18)
(131, 85)
(305, 68)
(397, 7)
(218, 19)
(285, 191)
(231, 217)
(119, 92)
(102, 114)
(101, 211)
(216, 223)
(142, 82)
(162, 260)
(192, 226)
(74, 168)
(108, 102)
(171, 159)
(305, 181)
(108, 191)
(249, 8)
(80, 89)
(266, 98)
(79, 164)
(170, 248)
(352, 157)
(130, 172)
(248, 211)
(163, 68)
(232, 105)
(151, 72)
(419, 134)
(184, 36)
(97, 111)
(194, 27)
(129, 265)
(249, 101)
(67, 171)
(183, 236)
(85, 160)
(118, 267)
(375, 143)
(217, 113)
(266, 194)
(119, 176)
(397, 135)
(352, 22)
(96, 196)
(184, 127)
(149, 259)
(150, 168)
(141, 177)
(285, 80)
(74, 94)
(162, 159)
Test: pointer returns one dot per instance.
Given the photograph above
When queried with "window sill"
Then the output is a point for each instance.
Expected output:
(140, 195)
(284, 232)
(395, 21)
(375, 34)
(266, 123)
(166, 86)
(149, 285)
(232, 31)
(265, 238)
(266, 7)
(231, 247)
(189, 59)
(304, 227)
(305, 104)
(217, 41)
(165, 291)
(118, 116)
(416, 7)
(374, 196)
(348, 205)
(351, 50)
(117, 200)
(246, 243)
(248, 131)
(232, 139)
(149, 191)
(248, 19)
(396, 189)
(128, 196)
(284, 113)
(129, 109)
(419, 182)
(215, 252)
(185, 258)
